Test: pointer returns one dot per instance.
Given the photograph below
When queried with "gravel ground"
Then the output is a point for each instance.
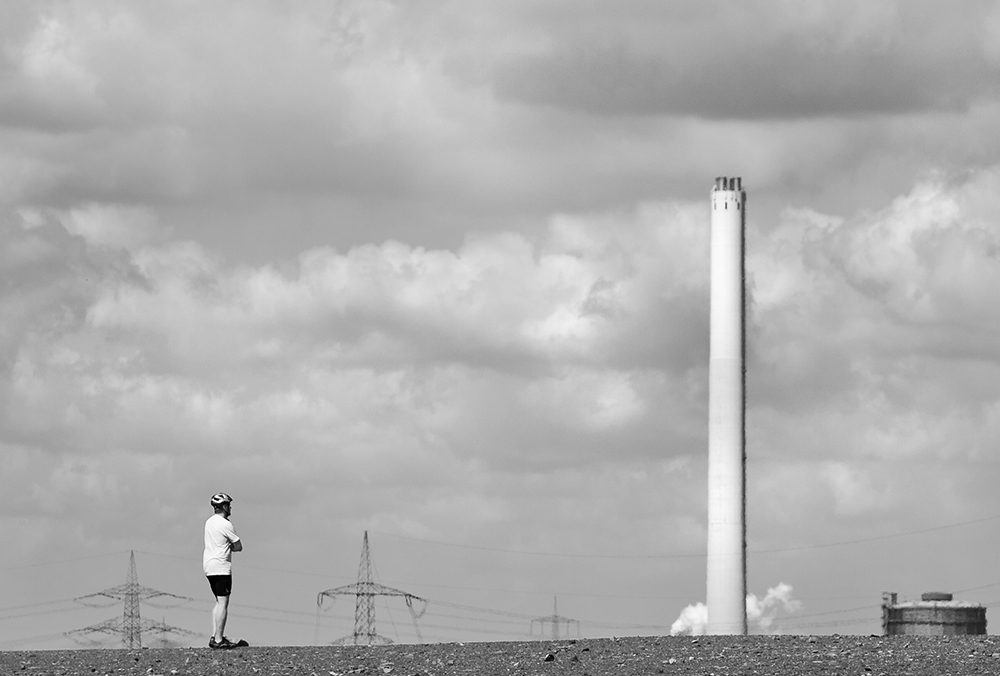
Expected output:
(716, 655)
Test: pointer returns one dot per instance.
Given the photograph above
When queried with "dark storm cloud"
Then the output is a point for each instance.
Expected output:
(759, 61)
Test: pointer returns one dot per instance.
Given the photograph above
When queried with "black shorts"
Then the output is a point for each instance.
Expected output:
(222, 585)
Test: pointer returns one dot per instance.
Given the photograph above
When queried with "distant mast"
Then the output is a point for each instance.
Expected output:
(727, 569)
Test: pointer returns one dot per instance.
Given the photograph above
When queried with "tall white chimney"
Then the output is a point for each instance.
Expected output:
(727, 567)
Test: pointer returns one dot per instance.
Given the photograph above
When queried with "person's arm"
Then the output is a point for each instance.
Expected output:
(235, 544)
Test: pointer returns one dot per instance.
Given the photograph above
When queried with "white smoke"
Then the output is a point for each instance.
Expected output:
(761, 612)
(691, 622)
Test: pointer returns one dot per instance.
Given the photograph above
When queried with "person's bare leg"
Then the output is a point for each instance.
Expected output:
(219, 615)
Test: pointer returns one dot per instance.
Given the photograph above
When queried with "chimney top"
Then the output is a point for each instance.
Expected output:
(728, 183)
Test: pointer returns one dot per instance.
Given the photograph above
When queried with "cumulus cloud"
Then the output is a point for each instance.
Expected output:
(908, 277)
(509, 352)
(390, 359)
(427, 264)
(871, 357)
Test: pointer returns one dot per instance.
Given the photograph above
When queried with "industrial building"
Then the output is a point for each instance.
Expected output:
(935, 614)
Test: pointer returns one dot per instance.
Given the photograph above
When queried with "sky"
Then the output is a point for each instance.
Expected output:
(438, 272)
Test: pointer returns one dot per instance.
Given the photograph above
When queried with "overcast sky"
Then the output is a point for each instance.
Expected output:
(439, 270)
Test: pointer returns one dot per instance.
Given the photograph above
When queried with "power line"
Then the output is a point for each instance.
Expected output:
(505, 613)
(40, 638)
(467, 618)
(554, 621)
(644, 597)
(694, 555)
(52, 611)
(35, 605)
(829, 612)
(534, 553)
(874, 538)
(39, 564)
(476, 619)
(518, 618)
(982, 586)
(245, 566)
(130, 625)
(44, 608)
(364, 591)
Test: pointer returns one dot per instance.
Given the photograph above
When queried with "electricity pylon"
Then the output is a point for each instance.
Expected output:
(555, 619)
(364, 591)
(130, 625)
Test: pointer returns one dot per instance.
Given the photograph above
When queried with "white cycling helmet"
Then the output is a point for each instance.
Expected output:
(220, 499)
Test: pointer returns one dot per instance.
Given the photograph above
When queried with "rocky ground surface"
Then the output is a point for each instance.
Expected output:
(720, 656)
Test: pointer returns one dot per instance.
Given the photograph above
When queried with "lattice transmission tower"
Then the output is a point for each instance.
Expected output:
(554, 620)
(364, 591)
(130, 625)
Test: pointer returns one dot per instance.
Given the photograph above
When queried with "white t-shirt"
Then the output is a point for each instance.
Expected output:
(219, 538)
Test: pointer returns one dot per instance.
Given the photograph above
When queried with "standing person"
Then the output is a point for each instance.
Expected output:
(221, 541)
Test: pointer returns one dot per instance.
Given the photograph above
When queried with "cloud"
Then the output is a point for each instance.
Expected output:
(138, 358)
(761, 613)
(508, 353)
(585, 296)
(367, 121)
(871, 361)
(903, 279)
(761, 60)
(145, 110)
(429, 266)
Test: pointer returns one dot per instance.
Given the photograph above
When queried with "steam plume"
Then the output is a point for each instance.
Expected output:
(761, 612)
